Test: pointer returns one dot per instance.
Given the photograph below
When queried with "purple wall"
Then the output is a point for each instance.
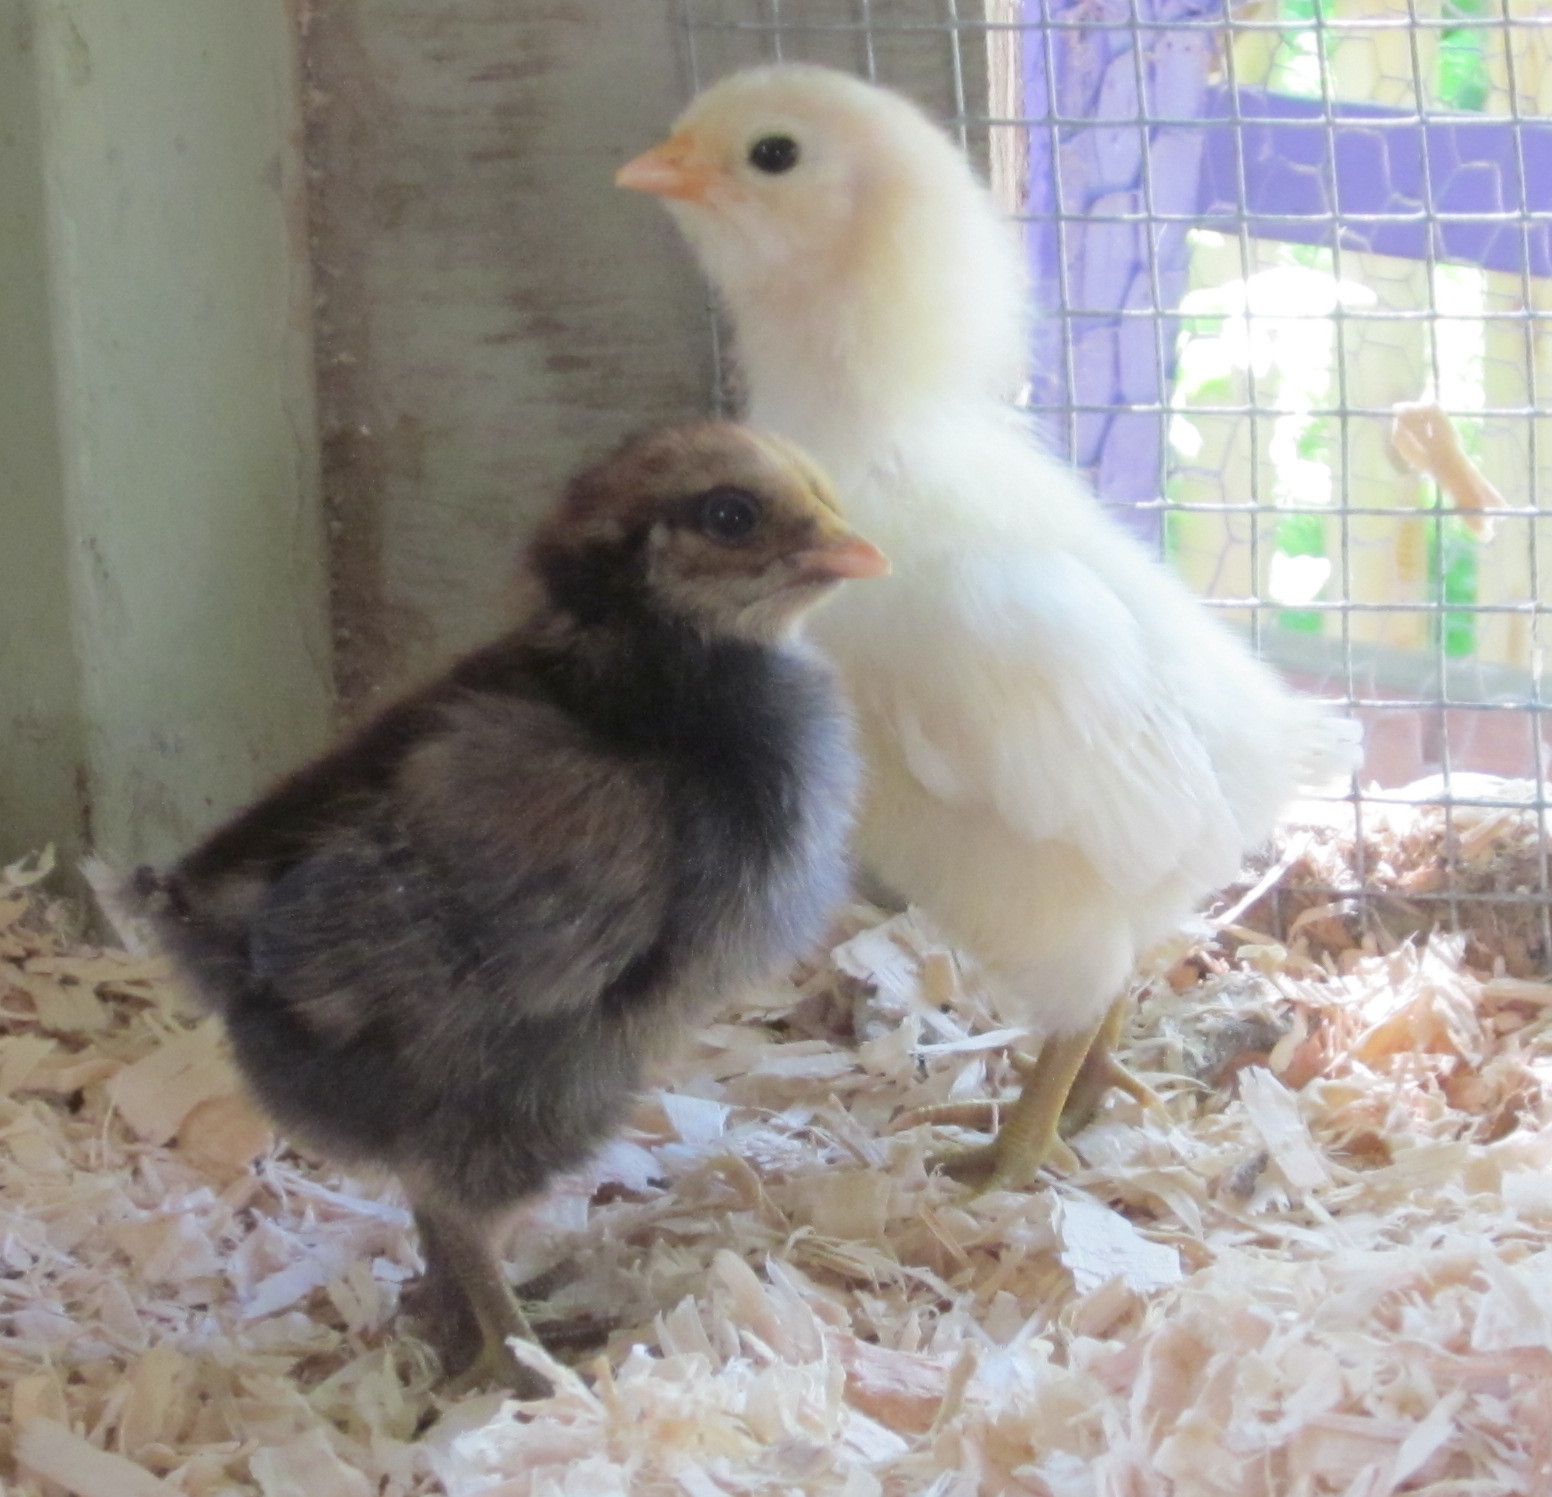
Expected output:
(1470, 189)
(1129, 149)
(1093, 161)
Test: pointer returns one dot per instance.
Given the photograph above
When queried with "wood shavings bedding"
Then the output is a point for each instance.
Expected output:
(1329, 1272)
(1489, 858)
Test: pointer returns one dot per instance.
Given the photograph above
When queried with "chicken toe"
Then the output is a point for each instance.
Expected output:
(1059, 1096)
(1028, 1137)
(1100, 1071)
(495, 1366)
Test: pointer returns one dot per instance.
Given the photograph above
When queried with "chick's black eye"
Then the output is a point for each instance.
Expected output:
(774, 154)
(727, 516)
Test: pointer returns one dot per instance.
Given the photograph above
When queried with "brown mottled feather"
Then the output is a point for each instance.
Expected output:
(448, 946)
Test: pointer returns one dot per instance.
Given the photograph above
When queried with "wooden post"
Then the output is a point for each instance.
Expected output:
(1007, 146)
(1519, 68)
(1385, 362)
(494, 312)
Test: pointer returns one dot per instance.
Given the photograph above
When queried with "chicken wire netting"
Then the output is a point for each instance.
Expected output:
(1294, 265)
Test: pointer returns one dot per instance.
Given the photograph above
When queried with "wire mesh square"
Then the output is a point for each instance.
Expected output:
(1294, 262)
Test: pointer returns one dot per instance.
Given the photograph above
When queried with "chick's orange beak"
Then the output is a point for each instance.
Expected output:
(676, 169)
(850, 556)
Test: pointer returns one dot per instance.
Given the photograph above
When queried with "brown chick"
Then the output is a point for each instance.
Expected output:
(449, 946)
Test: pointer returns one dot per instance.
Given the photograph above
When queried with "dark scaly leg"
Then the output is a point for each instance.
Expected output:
(469, 1311)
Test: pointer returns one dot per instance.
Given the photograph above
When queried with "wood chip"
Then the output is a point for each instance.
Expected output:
(46, 1448)
(1274, 1111)
(1327, 1273)
(1099, 1245)
(223, 1135)
(160, 1090)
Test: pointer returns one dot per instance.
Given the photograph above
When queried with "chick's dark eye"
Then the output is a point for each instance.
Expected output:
(774, 154)
(727, 516)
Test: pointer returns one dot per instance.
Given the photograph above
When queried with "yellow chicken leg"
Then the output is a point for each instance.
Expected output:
(1100, 1071)
(1029, 1133)
(463, 1281)
(1060, 1092)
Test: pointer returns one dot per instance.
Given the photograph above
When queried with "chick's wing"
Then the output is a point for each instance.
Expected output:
(1024, 683)
(511, 871)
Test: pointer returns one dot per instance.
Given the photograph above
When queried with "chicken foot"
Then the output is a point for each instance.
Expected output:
(1062, 1085)
(1028, 1136)
(1100, 1071)
(467, 1309)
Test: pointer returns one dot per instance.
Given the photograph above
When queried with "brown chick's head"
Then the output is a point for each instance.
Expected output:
(732, 531)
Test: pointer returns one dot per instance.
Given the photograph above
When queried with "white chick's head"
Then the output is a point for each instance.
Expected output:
(817, 202)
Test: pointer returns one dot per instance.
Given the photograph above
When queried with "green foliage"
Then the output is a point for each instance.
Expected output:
(1301, 535)
(1303, 56)
(1453, 558)
(1463, 81)
(1304, 52)
(1219, 390)
(1314, 445)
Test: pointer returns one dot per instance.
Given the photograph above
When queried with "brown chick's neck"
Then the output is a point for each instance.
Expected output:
(599, 586)
(641, 679)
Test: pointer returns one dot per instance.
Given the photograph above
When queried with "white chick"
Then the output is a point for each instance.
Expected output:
(1066, 752)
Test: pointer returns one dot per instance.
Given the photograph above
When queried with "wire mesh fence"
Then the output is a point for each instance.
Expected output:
(1294, 260)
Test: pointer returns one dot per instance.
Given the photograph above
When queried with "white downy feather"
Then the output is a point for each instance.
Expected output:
(1067, 752)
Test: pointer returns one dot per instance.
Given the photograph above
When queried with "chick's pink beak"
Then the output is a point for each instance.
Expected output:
(851, 557)
(676, 169)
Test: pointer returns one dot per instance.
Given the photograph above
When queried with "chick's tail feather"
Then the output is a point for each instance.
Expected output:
(151, 892)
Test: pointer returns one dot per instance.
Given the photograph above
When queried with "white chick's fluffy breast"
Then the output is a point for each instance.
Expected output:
(1063, 743)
